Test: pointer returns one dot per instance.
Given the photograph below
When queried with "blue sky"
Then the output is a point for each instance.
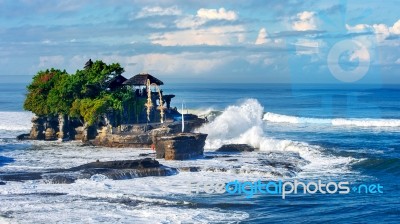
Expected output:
(206, 41)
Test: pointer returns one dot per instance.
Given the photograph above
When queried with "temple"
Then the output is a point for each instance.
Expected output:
(146, 120)
(151, 105)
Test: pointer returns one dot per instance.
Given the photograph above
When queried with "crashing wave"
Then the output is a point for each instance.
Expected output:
(243, 124)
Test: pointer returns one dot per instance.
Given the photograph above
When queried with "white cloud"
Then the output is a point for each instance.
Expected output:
(189, 22)
(50, 61)
(171, 64)
(359, 28)
(381, 31)
(305, 21)
(254, 58)
(360, 54)
(157, 25)
(205, 15)
(158, 11)
(268, 61)
(307, 47)
(262, 37)
(214, 14)
(395, 29)
(398, 61)
(193, 34)
(47, 42)
(223, 35)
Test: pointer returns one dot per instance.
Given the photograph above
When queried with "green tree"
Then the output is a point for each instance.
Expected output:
(83, 95)
(38, 91)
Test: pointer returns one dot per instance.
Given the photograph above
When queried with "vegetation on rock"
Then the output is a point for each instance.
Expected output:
(82, 95)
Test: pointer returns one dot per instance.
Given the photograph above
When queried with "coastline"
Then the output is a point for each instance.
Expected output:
(291, 151)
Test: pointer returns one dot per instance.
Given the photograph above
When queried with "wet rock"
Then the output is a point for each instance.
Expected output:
(37, 130)
(124, 140)
(116, 170)
(236, 148)
(59, 178)
(23, 137)
(50, 134)
(144, 154)
(121, 164)
(2, 183)
(89, 132)
(180, 146)
(20, 176)
(231, 160)
(124, 169)
(190, 169)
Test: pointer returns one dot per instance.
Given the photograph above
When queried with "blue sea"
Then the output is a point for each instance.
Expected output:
(309, 133)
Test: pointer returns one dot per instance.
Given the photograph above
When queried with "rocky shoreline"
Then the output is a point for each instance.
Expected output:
(116, 170)
(166, 138)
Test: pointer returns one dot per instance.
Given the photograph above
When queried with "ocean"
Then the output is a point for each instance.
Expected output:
(305, 133)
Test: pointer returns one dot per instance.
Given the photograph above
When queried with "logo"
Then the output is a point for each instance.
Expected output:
(283, 188)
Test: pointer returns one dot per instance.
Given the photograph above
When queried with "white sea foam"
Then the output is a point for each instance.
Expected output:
(100, 199)
(109, 200)
(14, 123)
(359, 122)
(243, 124)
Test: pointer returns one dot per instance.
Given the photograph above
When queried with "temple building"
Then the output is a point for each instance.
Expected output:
(150, 107)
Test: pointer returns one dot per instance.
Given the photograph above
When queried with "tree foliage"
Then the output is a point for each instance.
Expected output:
(38, 91)
(83, 94)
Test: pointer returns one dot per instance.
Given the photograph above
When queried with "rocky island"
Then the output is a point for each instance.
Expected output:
(99, 106)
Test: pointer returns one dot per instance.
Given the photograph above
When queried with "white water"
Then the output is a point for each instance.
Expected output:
(98, 199)
(160, 199)
(14, 123)
(243, 124)
(358, 122)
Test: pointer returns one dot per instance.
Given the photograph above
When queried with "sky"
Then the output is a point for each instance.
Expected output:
(243, 41)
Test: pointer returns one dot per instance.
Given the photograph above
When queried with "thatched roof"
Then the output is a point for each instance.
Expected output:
(141, 80)
(116, 82)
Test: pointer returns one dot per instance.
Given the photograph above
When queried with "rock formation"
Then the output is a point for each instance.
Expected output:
(236, 148)
(180, 146)
(116, 170)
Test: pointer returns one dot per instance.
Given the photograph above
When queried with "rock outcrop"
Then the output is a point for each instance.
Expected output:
(116, 170)
(236, 148)
(104, 133)
(180, 146)
(140, 135)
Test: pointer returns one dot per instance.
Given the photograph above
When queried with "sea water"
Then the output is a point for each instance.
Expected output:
(307, 133)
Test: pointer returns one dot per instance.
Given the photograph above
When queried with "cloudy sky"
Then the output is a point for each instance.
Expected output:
(251, 41)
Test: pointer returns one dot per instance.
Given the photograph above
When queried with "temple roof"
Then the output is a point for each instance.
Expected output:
(116, 82)
(141, 80)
